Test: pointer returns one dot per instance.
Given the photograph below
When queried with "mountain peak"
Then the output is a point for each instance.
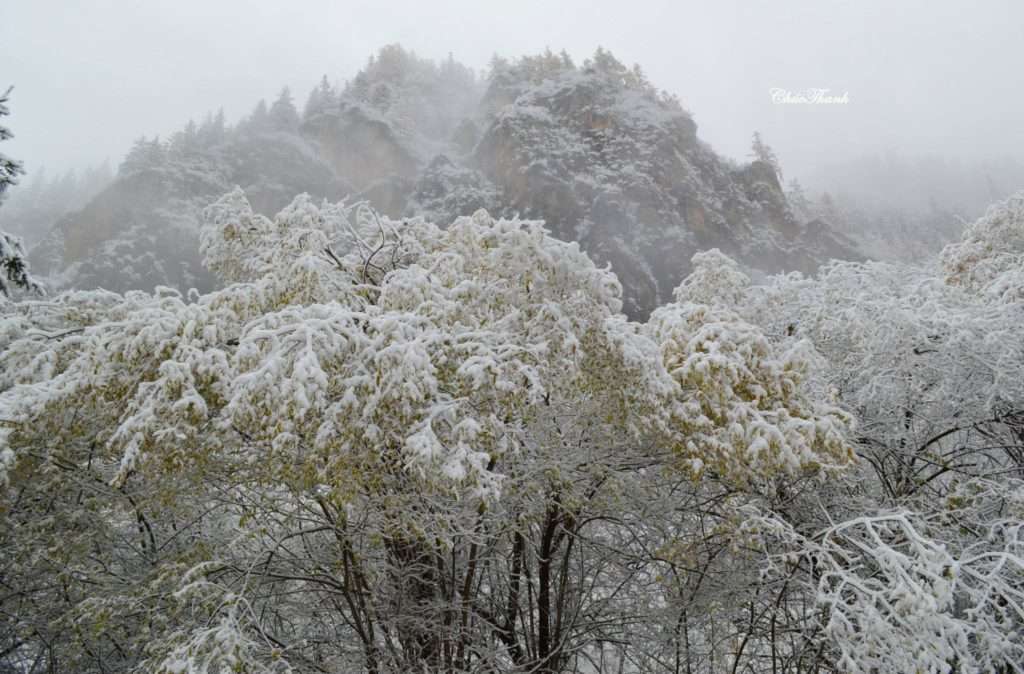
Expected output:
(594, 150)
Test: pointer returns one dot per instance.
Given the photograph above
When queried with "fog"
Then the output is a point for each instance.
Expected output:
(920, 77)
(379, 337)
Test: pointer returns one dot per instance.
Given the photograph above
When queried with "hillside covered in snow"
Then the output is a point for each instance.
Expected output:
(594, 150)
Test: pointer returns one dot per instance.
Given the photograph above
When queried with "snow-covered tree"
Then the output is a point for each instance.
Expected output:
(213, 129)
(10, 169)
(14, 267)
(919, 559)
(762, 152)
(13, 261)
(258, 120)
(420, 99)
(323, 98)
(990, 257)
(186, 141)
(385, 445)
(283, 115)
(144, 155)
(798, 201)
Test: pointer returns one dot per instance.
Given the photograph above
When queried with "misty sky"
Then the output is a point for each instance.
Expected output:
(921, 76)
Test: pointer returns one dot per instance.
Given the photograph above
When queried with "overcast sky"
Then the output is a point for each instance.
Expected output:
(920, 75)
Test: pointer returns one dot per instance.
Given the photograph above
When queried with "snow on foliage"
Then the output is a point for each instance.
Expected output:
(715, 279)
(990, 257)
(896, 599)
(595, 150)
(346, 315)
(921, 362)
(933, 372)
(355, 364)
(387, 445)
(14, 267)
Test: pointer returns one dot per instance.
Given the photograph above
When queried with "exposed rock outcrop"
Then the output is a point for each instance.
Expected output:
(143, 230)
(595, 151)
(607, 160)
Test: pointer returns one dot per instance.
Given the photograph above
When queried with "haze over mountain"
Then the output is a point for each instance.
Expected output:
(594, 150)
(322, 351)
(922, 76)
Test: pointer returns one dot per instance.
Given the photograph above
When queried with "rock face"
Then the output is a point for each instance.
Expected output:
(143, 230)
(604, 159)
(138, 233)
(607, 160)
(361, 146)
(595, 151)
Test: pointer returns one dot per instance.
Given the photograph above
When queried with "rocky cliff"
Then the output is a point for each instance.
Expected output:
(594, 150)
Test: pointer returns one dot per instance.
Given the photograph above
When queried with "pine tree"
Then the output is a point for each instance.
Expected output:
(605, 62)
(144, 155)
(10, 169)
(322, 99)
(219, 127)
(212, 130)
(761, 151)
(283, 115)
(13, 261)
(798, 200)
(313, 106)
(259, 119)
(186, 141)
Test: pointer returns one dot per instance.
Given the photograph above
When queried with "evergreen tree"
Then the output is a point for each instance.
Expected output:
(13, 262)
(14, 266)
(605, 62)
(322, 99)
(213, 129)
(761, 151)
(144, 155)
(10, 169)
(283, 115)
(359, 88)
(313, 105)
(798, 200)
(259, 119)
(186, 141)
(219, 127)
